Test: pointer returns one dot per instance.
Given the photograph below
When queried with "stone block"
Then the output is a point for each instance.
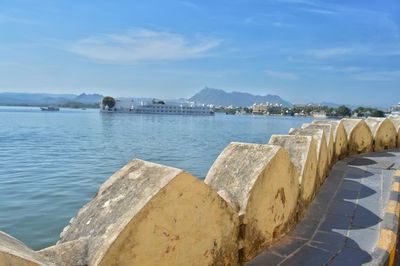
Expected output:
(318, 136)
(359, 136)
(303, 152)
(150, 214)
(261, 181)
(327, 128)
(384, 133)
(14, 252)
(396, 122)
(339, 137)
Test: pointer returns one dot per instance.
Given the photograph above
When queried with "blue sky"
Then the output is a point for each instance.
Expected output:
(303, 50)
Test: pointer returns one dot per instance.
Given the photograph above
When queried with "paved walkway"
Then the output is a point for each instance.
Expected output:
(344, 223)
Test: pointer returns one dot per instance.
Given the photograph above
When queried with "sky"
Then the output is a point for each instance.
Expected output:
(302, 50)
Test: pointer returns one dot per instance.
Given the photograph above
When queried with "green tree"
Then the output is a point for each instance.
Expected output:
(377, 113)
(109, 101)
(343, 111)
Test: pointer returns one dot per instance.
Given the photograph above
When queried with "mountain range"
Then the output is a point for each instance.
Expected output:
(240, 99)
(39, 99)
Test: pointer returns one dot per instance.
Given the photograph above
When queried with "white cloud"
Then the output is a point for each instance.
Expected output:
(143, 45)
(329, 53)
(281, 74)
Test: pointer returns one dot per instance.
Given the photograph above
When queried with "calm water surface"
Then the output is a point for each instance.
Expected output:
(51, 164)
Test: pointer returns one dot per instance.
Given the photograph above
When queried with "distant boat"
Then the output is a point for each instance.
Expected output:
(50, 109)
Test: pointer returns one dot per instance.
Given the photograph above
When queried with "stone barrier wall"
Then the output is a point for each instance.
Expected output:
(253, 195)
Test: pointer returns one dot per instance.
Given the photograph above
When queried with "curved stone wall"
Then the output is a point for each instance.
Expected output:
(261, 182)
(339, 137)
(396, 123)
(303, 153)
(359, 136)
(318, 136)
(150, 214)
(384, 133)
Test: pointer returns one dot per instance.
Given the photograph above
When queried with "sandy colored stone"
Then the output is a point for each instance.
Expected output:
(262, 183)
(339, 137)
(318, 136)
(14, 252)
(303, 152)
(359, 136)
(150, 214)
(70, 253)
(396, 122)
(327, 128)
(384, 133)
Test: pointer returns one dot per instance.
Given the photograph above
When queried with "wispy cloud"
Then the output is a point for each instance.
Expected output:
(329, 52)
(344, 69)
(281, 74)
(377, 76)
(143, 45)
(320, 11)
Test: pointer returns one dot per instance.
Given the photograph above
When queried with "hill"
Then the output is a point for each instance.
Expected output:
(240, 99)
(44, 99)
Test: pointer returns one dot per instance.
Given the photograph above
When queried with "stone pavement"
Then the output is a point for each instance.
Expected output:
(348, 219)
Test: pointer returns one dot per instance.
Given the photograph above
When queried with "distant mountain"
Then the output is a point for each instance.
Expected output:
(38, 99)
(88, 98)
(223, 98)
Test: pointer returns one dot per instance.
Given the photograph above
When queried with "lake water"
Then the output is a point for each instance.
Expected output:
(52, 163)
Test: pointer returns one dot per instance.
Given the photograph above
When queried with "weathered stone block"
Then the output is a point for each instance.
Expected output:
(327, 128)
(74, 252)
(384, 133)
(262, 183)
(359, 136)
(396, 122)
(149, 214)
(303, 152)
(339, 138)
(318, 136)
(14, 252)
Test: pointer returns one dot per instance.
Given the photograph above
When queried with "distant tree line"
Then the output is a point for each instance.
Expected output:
(309, 110)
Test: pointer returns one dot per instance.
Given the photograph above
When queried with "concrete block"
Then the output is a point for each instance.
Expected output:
(339, 137)
(396, 122)
(262, 183)
(318, 136)
(384, 133)
(327, 128)
(150, 214)
(303, 152)
(359, 136)
(14, 252)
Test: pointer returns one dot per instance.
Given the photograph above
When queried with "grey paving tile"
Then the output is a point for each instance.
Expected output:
(367, 192)
(372, 204)
(328, 189)
(362, 161)
(351, 185)
(373, 182)
(364, 218)
(390, 222)
(351, 257)
(362, 238)
(357, 173)
(328, 241)
(342, 207)
(335, 223)
(309, 256)
(305, 228)
(345, 194)
(287, 246)
(264, 259)
(382, 165)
